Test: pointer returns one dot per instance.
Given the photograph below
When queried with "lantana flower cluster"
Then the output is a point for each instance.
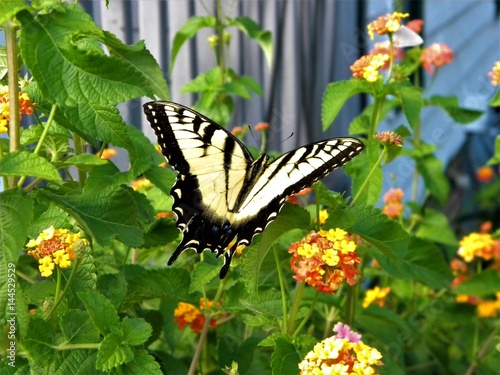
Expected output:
(343, 353)
(25, 107)
(393, 207)
(187, 314)
(478, 245)
(324, 259)
(376, 295)
(494, 74)
(53, 247)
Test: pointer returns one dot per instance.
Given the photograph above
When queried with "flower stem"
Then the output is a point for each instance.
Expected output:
(282, 287)
(367, 180)
(58, 300)
(377, 110)
(295, 308)
(12, 76)
(350, 304)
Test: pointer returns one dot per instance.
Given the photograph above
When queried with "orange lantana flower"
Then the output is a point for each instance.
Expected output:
(494, 74)
(388, 24)
(367, 66)
(324, 259)
(435, 56)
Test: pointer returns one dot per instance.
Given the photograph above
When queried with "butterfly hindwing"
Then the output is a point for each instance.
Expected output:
(222, 195)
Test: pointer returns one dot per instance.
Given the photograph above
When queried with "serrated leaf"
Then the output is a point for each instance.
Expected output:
(9, 9)
(163, 178)
(39, 341)
(85, 277)
(106, 214)
(78, 328)
(285, 358)
(416, 265)
(112, 353)
(16, 214)
(451, 106)
(186, 32)
(359, 169)
(143, 364)
(374, 227)
(255, 32)
(483, 284)
(335, 96)
(136, 331)
(67, 75)
(202, 274)
(101, 311)
(434, 226)
(291, 217)
(162, 283)
(25, 163)
(161, 233)
(360, 125)
(431, 169)
(75, 362)
(85, 162)
(141, 60)
(411, 102)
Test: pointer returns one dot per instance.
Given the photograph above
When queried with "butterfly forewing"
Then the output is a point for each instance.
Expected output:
(222, 194)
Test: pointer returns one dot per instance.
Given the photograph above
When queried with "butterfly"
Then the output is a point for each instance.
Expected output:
(223, 197)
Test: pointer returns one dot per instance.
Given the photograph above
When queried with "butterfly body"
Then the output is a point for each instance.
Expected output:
(223, 197)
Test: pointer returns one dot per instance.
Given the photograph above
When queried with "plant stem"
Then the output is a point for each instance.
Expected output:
(480, 355)
(12, 76)
(365, 183)
(66, 288)
(350, 304)
(221, 61)
(79, 150)
(295, 308)
(282, 288)
(377, 109)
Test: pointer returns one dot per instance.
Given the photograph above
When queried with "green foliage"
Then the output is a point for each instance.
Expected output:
(117, 309)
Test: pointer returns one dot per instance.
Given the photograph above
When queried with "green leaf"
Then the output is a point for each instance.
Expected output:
(25, 163)
(434, 226)
(51, 215)
(141, 61)
(359, 170)
(101, 311)
(187, 31)
(161, 233)
(75, 362)
(411, 102)
(496, 158)
(9, 9)
(16, 214)
(431, 169)
(202, 274)
(255, 32)
(423, 262)
(143, 364)
(3, 61)
(136, 331)
(68, 75)
(452, 107)
(291, 217)
(336, 94)
(112, 353)
(374, 227)
(85, 277)
(285, 358)
(106, 213)
(144, 284)
(495, 101)
(85, 162)
(483, 284)
(78, 328)
(39, 341)
(162, 178)
(360, 125)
